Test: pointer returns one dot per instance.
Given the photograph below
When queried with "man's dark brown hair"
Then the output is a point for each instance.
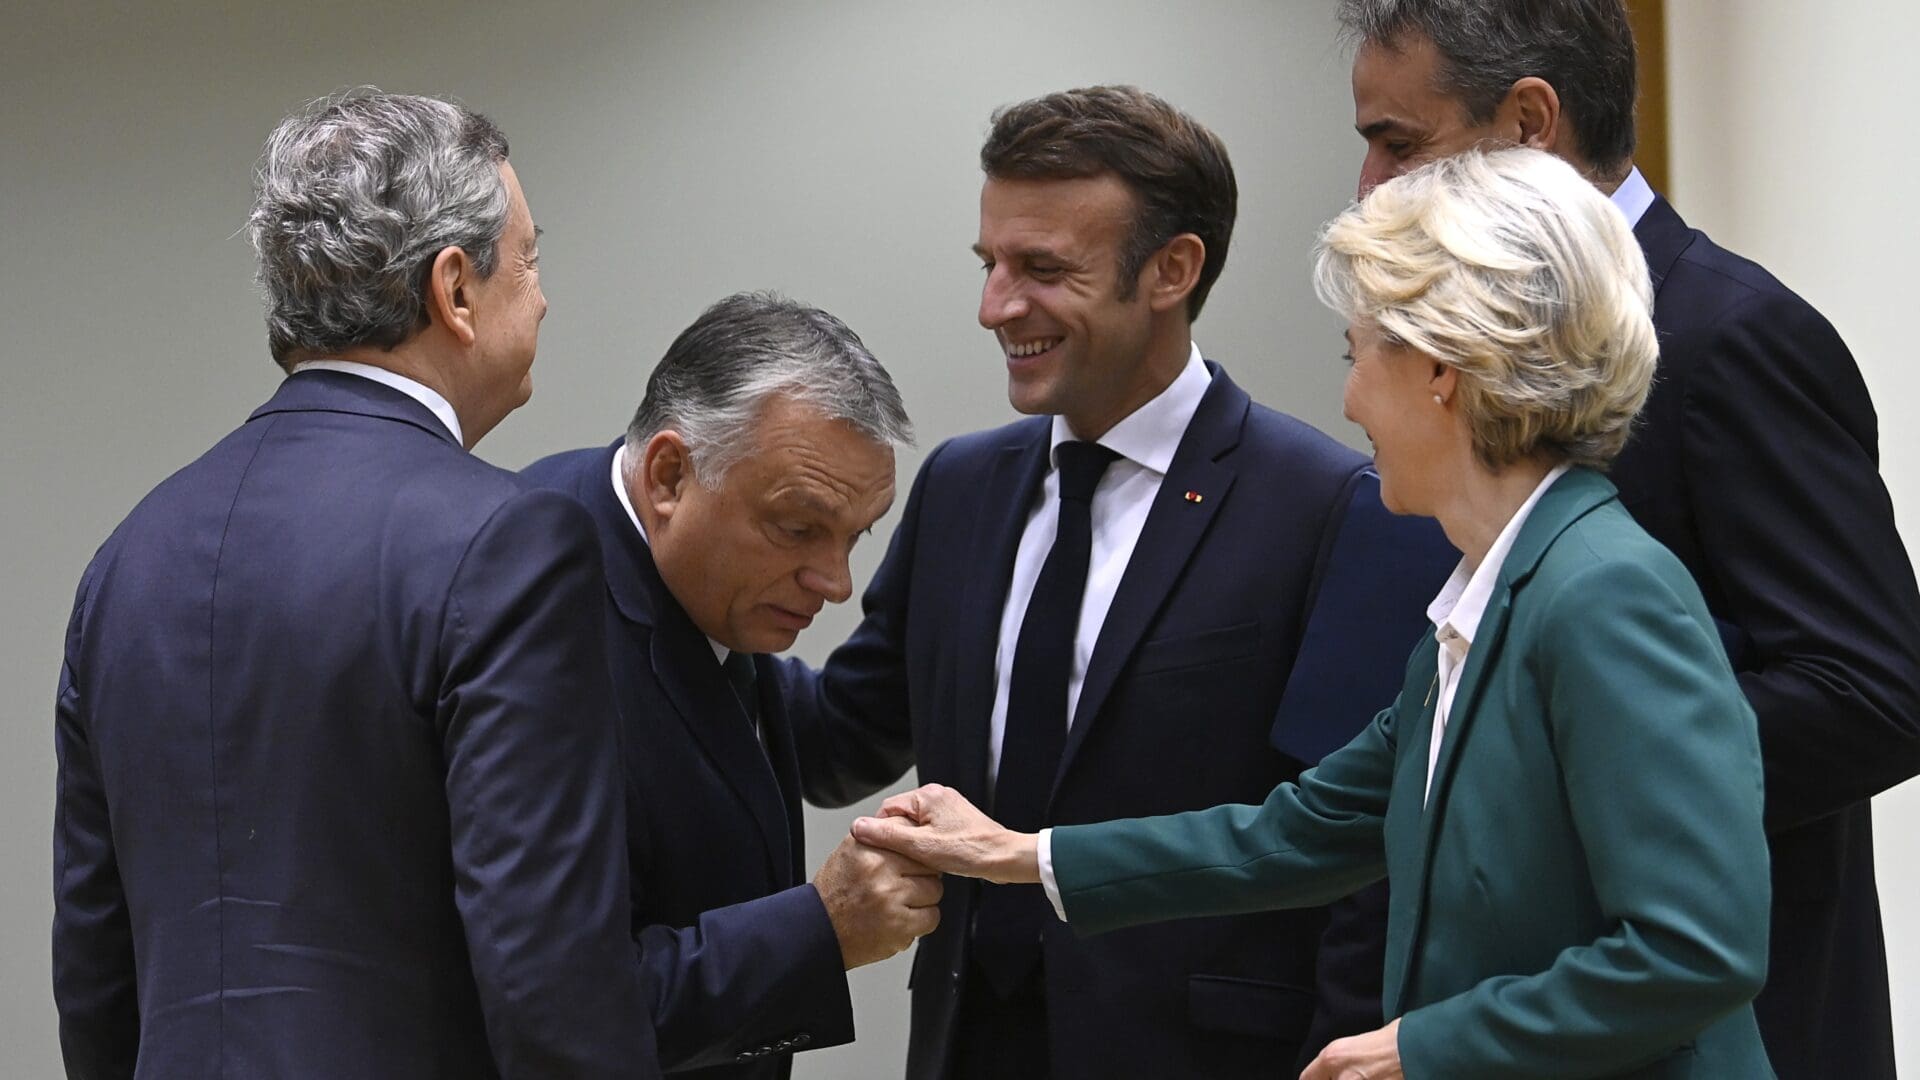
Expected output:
(1175, 167)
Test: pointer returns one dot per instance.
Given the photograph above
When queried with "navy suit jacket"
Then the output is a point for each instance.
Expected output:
(1757, 462)
(742, 964)
(1259, 625)
(338, 788)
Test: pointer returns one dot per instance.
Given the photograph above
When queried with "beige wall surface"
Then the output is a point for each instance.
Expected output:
(674, 152)
(1793, 143)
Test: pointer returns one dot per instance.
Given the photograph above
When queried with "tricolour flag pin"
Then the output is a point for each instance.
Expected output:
(1193, 496)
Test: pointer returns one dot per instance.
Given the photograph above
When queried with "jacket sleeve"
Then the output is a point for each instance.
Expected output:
(746, 981)
(1660, 766)
(535, 797)
(1781, 462)
(852, 725)
(93, 974)
(1313, 840)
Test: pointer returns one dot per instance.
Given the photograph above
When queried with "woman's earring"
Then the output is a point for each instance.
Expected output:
(1438, 400)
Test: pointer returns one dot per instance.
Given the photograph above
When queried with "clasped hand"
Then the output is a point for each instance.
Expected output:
(937, 827)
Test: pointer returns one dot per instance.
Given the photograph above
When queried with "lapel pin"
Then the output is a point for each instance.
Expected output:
(1194, 496)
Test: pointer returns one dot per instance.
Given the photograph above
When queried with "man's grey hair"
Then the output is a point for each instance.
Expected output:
(355, 196)
(721, 371)
(1583, 48)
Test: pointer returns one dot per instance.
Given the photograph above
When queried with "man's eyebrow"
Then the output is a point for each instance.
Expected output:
(1381, 127)
(1030, 254)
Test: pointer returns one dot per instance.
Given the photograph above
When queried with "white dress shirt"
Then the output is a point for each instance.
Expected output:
(1456, 612)
(419, 392)
(1633, 196)
(720, 652)
(1145, 440)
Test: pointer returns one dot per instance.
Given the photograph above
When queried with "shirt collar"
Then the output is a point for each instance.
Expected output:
(1633, 196)
(1149, 435)
(720, 652)
(1463, 599)
(418, 391)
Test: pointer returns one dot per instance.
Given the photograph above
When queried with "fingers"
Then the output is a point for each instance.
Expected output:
(921, 892)
(922, 921)
(906, 805)
(891, 833)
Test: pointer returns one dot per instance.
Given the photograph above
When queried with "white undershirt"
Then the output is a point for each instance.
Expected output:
(1456, 613)
(418, 391)
(720, 652)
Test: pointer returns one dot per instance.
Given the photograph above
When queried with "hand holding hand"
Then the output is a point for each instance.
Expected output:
(1373, 1056)
(878, 902)
(937, 827)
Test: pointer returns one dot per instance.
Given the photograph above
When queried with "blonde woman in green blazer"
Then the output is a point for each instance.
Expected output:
(1566, 794)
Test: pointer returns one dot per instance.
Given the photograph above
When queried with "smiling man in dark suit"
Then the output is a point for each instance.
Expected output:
(338, 789)
(762, 452)
(1756, 462)
(1154, 595)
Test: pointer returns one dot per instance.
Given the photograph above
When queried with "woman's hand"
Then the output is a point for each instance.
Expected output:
(937, 827)
(1373, 1056)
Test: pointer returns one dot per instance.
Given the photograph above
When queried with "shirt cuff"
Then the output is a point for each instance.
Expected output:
(1043, 852)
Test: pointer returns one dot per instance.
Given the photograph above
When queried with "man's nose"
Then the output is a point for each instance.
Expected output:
(831, 579)
(1001, 300)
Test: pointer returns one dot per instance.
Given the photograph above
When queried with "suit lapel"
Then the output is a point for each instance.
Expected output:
(1190, 495)
(1571, 497)
(1004, 504)
(683, 666)
(782, 755)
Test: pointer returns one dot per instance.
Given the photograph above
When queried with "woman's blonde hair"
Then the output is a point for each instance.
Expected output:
(1509, 267)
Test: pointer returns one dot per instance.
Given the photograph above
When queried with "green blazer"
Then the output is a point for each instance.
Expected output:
(1584, 893)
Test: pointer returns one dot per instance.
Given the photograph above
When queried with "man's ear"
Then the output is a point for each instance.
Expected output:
(665, 471)
(1173, 271)
(449, 293)
(1532, 108)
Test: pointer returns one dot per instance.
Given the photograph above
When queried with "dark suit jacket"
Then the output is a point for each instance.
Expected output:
(1582, 891)
(338, 792)
(1259, 625)
(1757, 463)
(741, 960)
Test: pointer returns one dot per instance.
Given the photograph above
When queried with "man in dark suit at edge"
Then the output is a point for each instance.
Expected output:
(1756, 462)
(1208, 590)
(762, 452)
(338, 780)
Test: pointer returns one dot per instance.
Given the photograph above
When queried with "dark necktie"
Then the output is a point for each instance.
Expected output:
(738, 667)
(1009, 920)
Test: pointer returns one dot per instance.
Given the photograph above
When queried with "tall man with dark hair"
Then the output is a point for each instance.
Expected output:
(761, 453)
(339, 790)
(1756, 463)
(1152, 596)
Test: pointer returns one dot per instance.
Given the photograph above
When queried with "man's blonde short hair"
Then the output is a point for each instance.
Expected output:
(1509, 267)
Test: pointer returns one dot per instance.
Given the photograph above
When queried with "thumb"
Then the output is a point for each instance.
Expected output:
(892, 833)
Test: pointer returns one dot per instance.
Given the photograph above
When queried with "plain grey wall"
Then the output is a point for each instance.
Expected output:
(673, 152)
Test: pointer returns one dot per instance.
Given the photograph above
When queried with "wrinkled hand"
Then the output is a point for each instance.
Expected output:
(1373, 1056)
(936, 826)
(878, 902)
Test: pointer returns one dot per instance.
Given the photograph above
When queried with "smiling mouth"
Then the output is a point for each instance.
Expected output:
(1030, 349)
